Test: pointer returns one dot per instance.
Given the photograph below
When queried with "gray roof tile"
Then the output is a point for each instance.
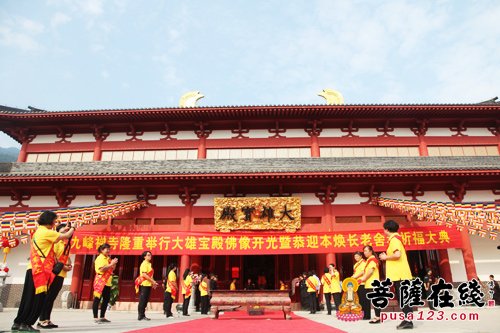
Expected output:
(252, 166)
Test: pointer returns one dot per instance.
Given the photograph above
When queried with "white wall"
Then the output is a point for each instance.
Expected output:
(457, 265)
(486, 257)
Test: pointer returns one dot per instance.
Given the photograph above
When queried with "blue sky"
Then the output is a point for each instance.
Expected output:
(67, 55)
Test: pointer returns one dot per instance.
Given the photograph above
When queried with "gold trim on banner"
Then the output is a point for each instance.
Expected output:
(256, 213)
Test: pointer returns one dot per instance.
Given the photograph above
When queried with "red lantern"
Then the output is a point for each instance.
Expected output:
(14, 242)
(5, 242)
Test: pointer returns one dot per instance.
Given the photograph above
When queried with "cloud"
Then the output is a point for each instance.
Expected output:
(92, 7)
(59, 19)
(20, 32)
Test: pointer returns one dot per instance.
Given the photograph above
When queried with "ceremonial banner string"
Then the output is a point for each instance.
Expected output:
(477, 217)
(24, 224)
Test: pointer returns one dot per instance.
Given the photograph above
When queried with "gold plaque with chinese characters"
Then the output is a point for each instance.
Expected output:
(253, 213)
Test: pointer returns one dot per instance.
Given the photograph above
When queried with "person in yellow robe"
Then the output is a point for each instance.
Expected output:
(42, 258)
(204, 291)
(171, 290)
(358, 271)
(187, 285)
(232, 286)
(336, 288)
(61, 251)
(145, 282)
(370, 274)
(397, 268)
(104, 267)
(312, 284)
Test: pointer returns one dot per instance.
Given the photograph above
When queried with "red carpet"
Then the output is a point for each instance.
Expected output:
(241, 322)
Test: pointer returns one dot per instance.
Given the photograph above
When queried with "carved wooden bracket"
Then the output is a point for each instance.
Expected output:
(371, 194)
(99, 133)
(64, 198)
(314, 128)
(240, 131)
(233, 193)
(202, 131)
(188, 197)
(495, 130)
(134, 133)
(327, 194)
(277, 130)
(146, 196)
(421, 128)
(168, 133)
(281, 193)
(457, 194)
(19, 196)
(385, 130)
(103, 196)
(459, 129)
(350, 130)
(414, 193)
(62, 135)
(23, 134)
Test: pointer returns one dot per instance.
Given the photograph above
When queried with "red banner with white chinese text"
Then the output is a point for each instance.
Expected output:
(177, 243)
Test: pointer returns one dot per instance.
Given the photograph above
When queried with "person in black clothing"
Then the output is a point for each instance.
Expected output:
(213, 283)
(304, 296)
(428, 282)
(496, 290)
(250, 285)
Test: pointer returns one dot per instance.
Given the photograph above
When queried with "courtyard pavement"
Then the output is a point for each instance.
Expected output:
(122, 321)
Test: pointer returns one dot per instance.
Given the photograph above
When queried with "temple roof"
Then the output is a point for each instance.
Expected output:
(358, 166)
(252, 111)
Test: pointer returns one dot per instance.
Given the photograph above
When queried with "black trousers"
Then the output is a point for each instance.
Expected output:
(144, 293)
(328, 301)
(31, 304)
(185, 305)
(167, 304)
(54, 290)
(377, 310)
(337, 299)
(312, 301)
(105, 296)
(197, 300)
(364, 302)
(429, 303)
(204, 304)
(406, 309)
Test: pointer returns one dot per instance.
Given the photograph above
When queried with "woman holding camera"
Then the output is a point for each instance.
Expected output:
(61, 250)
(39, 273)
(104, 267)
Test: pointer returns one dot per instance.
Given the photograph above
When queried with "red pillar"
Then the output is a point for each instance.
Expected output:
(22, 153)
(330, 259)
(97, 150)
(196, 264)
(202, 148)
(182, 267)
(315, 146)
(468, 255)
(76, 280)
(422, 146)
(444, 265)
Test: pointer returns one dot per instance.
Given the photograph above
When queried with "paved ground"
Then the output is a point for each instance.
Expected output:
(123, 321)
